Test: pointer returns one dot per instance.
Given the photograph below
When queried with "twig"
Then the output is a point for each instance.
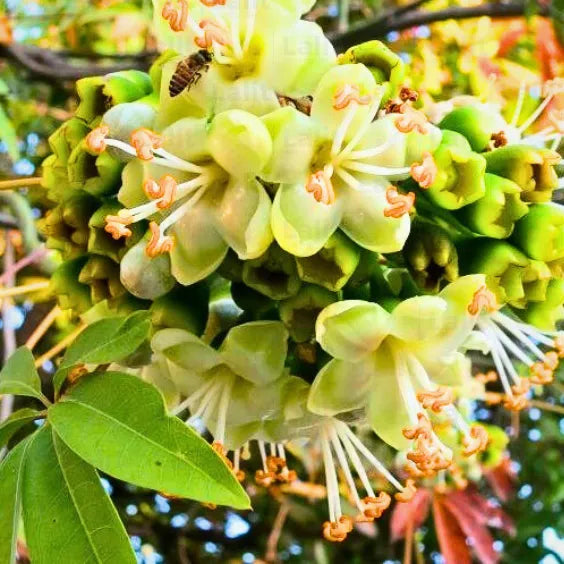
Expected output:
(34, 256)
(42, 328)
(380, 27)
(20, 183)
(22, 290)
(59, 347)
(545, 406)
(8, 332)
(274, 537)
(408, 548)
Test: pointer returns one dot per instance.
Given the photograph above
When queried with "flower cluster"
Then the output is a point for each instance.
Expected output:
(351, 245)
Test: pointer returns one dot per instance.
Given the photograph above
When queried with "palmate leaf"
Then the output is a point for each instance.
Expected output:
(107, 340)
(452, 539)
(11, 478)
(19, 376)
(118, 424)
(15, 422)
(67, 515)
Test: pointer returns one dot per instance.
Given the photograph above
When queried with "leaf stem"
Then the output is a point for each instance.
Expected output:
(26, 289)
(42, 328)
(61, 346)
(545, 406)
(20, 183)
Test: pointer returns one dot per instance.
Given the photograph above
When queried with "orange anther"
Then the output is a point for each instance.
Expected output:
(553, 87)
(422, 429)
(516, 403)
(541, 374)
(116, 226)
(211, 3)
(374, 507)
(159, 244)
(559, 345)
(339, 530)
(265, 479)
(177, 16)
(164, 191)
(320, 185)
(212, 33)
(145, 142)
(400, 204)
(412, 120)
(408, 492)
(96, 139)
(476, 441)
(425, 173)
(483, 299)
(348, 94)
(436, 400)
(488, 377)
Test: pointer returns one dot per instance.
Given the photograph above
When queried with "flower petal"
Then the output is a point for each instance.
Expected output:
(300, 224)
(364, 220)
(186, 139)
(296, 58)
(323, 110)
(257, 351)
(199, 249)
(351, 330)
(386, 411)
(340, 387)
(418, 319)
(242, 217)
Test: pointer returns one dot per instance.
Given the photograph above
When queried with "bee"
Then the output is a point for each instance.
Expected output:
(189, 71)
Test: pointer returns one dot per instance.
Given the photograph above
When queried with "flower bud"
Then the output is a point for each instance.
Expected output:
(333, 265)
(101, 275)
(300, 312)
(540, 234)
(182, 308)
(66, 226)
(254, 304)
(477, 124)
(431, 256)
(503, 265)
(546, 314)
(99, 93)
(529, 167)
(386, 66)
(495, 214)
(71, 294)
(240, 143)
(460, 178)
(274, 275)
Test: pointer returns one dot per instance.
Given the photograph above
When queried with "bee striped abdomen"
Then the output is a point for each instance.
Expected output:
(188, 72)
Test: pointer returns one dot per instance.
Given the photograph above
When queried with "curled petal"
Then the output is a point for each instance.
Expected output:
(476, 441)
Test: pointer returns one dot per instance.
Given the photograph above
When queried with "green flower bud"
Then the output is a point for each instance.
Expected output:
(96, 174)
(71, 294)
(274, 275)
(66, 226)
(67, 137)
(255, 305)
(541, 232)
(496, 213)
(300, 312)
(386, 66)
(55, 178)
(546, 314)
(503, 265)
(101, 275)
(477, 124)
(431, 256)
(99, 93)
(101, 242)
(368, 263)
(333, 265)
(460, 178)
(536, 279)
(240, 143)
(182, 308)
(232, 267)
(529, 167)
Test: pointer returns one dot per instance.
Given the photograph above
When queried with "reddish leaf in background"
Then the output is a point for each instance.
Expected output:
(415, 511)
(516, 30)
(490, 514)
(452, 540)
(549, 52)
(502, 480)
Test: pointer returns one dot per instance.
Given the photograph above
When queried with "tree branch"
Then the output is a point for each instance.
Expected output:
(380, 27)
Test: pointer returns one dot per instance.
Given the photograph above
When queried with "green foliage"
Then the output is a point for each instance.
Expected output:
(19, 375)
(15, 422)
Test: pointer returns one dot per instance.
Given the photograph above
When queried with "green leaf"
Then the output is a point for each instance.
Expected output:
(9, 136)
(118, 423)
(67, 515)
(107, 340)
(11, 478)
(19, 376)
(15, 422)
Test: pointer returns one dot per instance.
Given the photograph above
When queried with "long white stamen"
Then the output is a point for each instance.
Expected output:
(330, 479)
(343, 128)
(519, 105)
(236, 460)
(222, 410)
(375, 170)
(420, 374)
(371, 458)
(208, 400)
(556, 143)
(406, 388)
(345, 467)
(511, 345)
(373, 151)
(263, 456)
(182, 210)
(202, 390)
(515, 330)
(281, 451)
(235, 29)
(455, 416)
(348, 178)
(504, 356)
(500, 367)
(357, 463)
